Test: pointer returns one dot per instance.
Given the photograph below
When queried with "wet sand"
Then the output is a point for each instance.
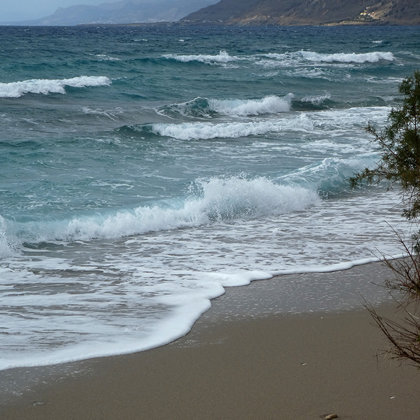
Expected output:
(243, 362)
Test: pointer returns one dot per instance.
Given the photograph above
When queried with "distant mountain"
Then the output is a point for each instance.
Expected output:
(309, 12)
(125, 11)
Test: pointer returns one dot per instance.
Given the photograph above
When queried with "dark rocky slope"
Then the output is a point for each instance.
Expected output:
(309, 12)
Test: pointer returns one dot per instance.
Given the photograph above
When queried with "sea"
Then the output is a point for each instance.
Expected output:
(145, 169)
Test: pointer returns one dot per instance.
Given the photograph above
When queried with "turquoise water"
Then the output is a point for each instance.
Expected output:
(142, 170)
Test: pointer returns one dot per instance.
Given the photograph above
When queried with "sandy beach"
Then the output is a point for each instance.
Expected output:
(244, 360)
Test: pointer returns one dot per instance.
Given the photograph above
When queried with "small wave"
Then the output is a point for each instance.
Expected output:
(208, 108)
(316, 100)
(309, 73)
(313, 102)
(207, 130)
(5, 246)
(267, 105)
(372, 57)
(222, 58)
(46, 86)
(293, 59)
(321, 119)
(196, 108)
(331, 176)
(104, 57)
(112, 115)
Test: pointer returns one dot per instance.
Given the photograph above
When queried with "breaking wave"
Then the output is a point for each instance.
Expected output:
(267, 105)
(291, 59)
(222, 58)
(208, 130)
(299, 122)
(209, 201)
(207, 108)
(331, 176)
(372, 57)
(46, 86)
(313, 102)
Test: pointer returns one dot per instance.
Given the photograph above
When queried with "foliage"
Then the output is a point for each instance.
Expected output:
(404, 334)
(399, 144)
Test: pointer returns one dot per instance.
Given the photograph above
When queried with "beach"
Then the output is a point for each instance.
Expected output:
(244, 359)
(145, 170)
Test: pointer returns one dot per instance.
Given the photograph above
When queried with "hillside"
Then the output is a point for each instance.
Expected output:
(126, 11)
(309, 12)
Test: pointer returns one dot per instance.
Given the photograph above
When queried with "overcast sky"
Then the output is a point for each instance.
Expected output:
(16, 10)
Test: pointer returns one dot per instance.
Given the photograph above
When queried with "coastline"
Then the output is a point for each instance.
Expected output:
(247, 357)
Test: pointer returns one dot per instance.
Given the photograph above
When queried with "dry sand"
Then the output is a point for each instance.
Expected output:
(278, 366)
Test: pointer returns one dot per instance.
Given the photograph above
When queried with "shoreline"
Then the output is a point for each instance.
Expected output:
(318, 291)
(247, 357)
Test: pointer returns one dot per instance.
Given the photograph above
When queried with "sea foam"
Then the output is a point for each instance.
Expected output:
(46, 86)
(316, 99)
(372, 57)
(207, 108)
(298, 58)
(207, 130)
(237, 107)
(214, 200)
(222, 58)
(300, 122)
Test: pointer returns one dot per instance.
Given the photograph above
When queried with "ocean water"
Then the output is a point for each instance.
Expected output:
(145, 169)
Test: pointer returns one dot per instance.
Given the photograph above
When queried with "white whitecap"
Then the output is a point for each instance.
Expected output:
(104, 57)
(303, 122)
(46, 86)
(208, 130)
(299, 58)
(237, 107)
(371, 57)
(222, 58)
(316, 99)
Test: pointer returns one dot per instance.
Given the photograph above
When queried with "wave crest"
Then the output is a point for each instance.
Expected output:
(214, 200)
(296, 58)
(267, 105)
(338, 120)
(209, 201)
(46, 86)
(331, 176)
(232, 130)
(222, 58)
(208, 108)
(372, 57)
